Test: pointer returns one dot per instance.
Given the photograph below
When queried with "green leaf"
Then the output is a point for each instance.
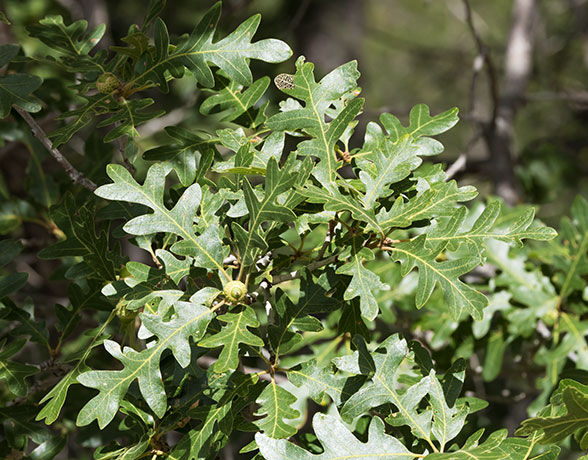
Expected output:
(236, 101)
(458, 295)
(231, 335)
(71, 40)
(317, 98)
(7, 53)
(573, 263)
(336, 201)
(421, 123)
(80, 299)
(319, 381)
(16, 88)
(277, 182)
(452, 232)
(190, 320)
(392, 163)
(437, 422)
(494, 354)
(82, 116)
(56, 397)
(273, 146)
(24, 315)
(127, 116)
(364, 283)
(555, 429)
(496, 447)
(12, 283)
(275, 403)
(439, 200)
(190, 158)
(206, 249)
(231, 395)
(42, 187)
(199, 443)
(197, 52)
(453, 381)
(18, 426)
(174, 268)
(14, 373)
(294, 317)
(49, 449)
(447, 421)
(338, 443)
(153, 10)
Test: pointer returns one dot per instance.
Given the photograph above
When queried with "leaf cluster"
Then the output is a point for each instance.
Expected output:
(340, 243)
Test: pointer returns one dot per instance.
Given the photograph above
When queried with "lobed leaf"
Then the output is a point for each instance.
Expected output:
(190, 321)
(338, 442)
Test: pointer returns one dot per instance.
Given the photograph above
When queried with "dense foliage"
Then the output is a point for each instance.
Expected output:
(220, 282)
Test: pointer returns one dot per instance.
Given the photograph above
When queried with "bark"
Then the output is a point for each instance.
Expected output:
(517, 70)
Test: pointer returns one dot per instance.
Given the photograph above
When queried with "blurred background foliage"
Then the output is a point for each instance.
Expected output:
(409, 51)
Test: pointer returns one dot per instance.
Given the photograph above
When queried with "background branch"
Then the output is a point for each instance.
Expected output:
(76, 176)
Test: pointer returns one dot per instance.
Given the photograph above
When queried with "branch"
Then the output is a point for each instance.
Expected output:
(293, 275)
(76, 176)
(456, 167)
(517, 70)
(310, 267)
(482, 60)
(207, 361)
(332, 228)
(498, 132)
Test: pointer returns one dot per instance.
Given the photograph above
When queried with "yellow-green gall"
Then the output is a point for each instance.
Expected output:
(235, 291)
(107, 83)
(124, 315)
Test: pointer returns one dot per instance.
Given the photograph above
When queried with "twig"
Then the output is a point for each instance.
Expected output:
(328, 238)
(310, 267)
(457, 166)
(207, 361)
(482, 60)
(76, 176)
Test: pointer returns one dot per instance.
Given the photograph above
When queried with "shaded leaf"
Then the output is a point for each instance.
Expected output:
(575, 399)
(12, 372)
(16, 89)
(78, 225)
(234, 100)
(71, 40)
(421, 123)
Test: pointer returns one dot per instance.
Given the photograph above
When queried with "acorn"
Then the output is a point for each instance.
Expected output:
(235, 291)
(107, 83)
